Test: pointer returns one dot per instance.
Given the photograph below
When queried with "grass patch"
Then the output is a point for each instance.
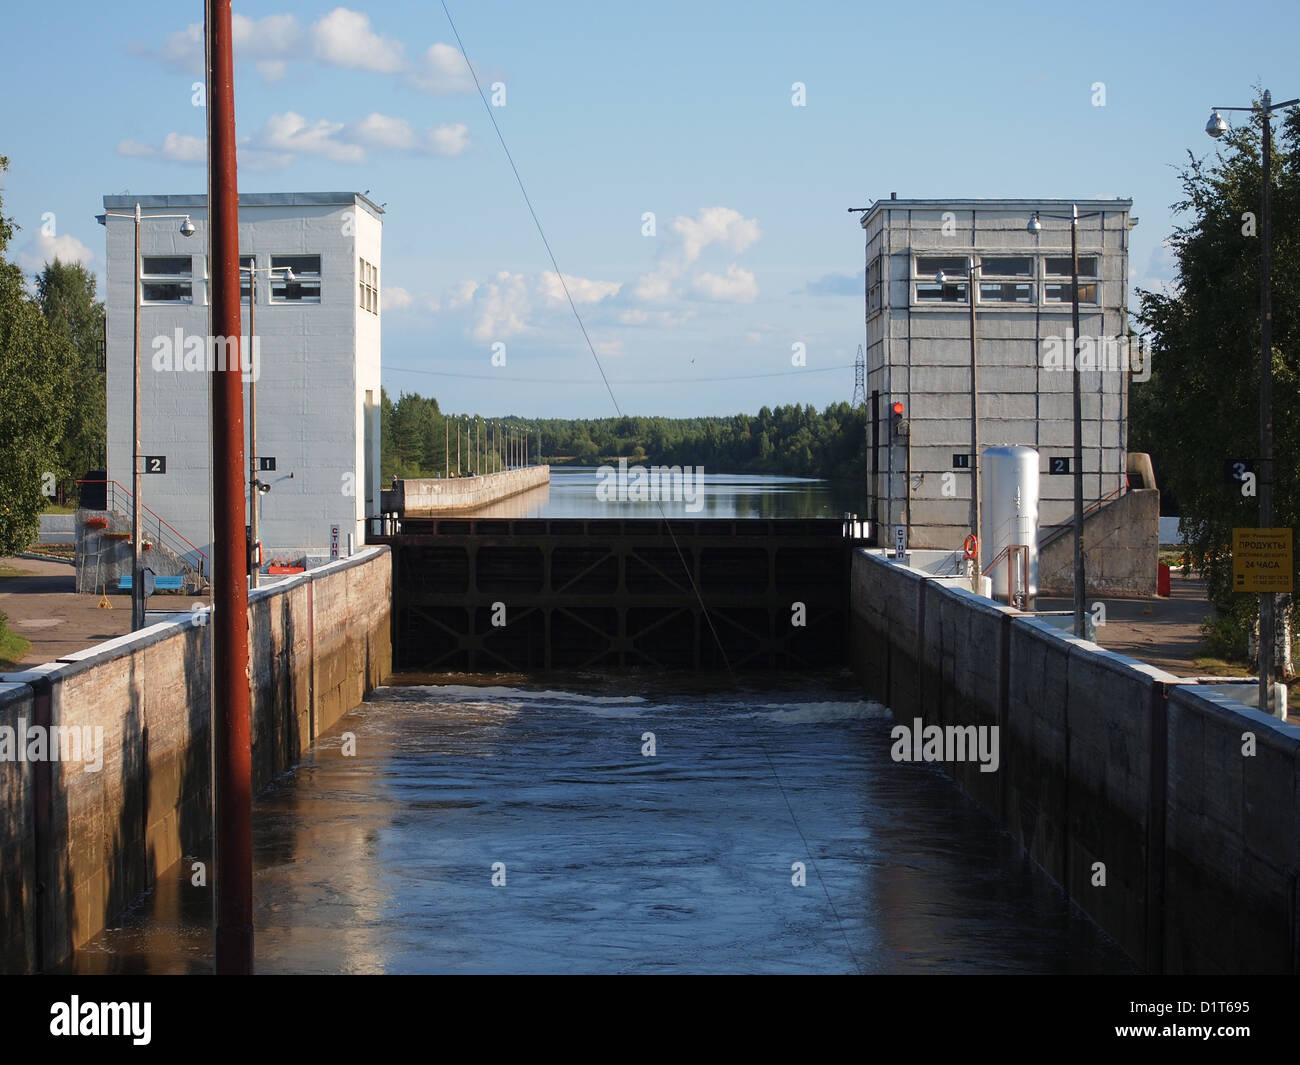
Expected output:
(7, 570)
(60, 508)
(12, 646)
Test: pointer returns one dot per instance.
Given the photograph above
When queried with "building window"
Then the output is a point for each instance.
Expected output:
(996, 271)
(367, 286)
(933, 292)
(305, 286)
(166, 279)
(246, 267)
(952, 290)
(1063, 267)
(873, 285)
(1006, 266)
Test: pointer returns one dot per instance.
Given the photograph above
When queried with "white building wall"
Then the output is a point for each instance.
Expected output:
(315, 362)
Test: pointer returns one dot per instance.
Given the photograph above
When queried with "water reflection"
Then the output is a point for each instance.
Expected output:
(572, 494)
(617, 861)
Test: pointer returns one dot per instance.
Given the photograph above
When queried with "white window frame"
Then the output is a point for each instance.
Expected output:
(1088, 277)
(147, 277)
(957, 262)
(986, 277)
(303, 277)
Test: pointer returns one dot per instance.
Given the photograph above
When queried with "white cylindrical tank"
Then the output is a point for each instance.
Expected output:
(1009, 512)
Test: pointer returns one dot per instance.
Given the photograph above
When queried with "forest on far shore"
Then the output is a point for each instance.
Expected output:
(792, 440)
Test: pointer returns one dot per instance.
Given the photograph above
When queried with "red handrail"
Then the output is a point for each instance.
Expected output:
(145, 508)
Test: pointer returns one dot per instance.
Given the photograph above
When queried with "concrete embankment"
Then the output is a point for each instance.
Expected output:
(1167, 812)
(79, 843)
(444, 494)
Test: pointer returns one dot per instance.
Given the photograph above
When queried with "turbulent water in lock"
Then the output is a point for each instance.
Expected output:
(637, 825)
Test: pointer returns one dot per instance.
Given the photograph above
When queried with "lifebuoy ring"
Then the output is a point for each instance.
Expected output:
(971, 547)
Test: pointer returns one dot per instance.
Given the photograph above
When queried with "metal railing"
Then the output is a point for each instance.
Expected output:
(154, 528)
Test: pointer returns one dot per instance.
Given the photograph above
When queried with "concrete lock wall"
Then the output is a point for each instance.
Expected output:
(78, 847)
(1121, 549)
(430, 495)
(1127, 785)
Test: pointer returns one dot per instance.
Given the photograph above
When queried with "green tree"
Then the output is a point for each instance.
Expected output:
(1201, 406)
(65, 293)
(35, 395)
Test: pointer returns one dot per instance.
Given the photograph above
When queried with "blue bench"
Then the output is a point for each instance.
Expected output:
(160, 584)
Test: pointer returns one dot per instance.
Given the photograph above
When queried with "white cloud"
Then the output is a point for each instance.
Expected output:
(270, 35)
(715, 225)
(583, 290)
(461, 295)
(449, 139)
(608, 347)
(396, 298)
(344, 38)
(500, 307)
(665, 319)
(382, 131)
(183, 49)
(441, 69)
(42, 249)
(292, 133)
(754, 337)
(176, 148)
(689, 239)
(269, 38)
(736, 286)
(270, 70)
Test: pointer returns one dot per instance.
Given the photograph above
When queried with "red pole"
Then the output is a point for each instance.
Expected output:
(230, 680)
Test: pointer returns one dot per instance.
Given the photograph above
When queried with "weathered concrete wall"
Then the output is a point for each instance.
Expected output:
(440, 495)
(95, 840)
(1107, 767)
(1121, 547)
(1232, 838)
(17, 843)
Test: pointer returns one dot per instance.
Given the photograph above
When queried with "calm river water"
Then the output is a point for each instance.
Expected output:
(609, 859)
(572, 493)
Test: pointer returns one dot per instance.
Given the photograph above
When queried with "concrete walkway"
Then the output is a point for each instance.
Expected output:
(43, 607)
(1164, 632)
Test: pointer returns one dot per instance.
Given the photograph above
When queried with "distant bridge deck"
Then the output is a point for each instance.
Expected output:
(481, 594)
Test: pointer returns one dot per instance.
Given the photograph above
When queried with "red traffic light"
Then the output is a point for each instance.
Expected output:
(898, 408)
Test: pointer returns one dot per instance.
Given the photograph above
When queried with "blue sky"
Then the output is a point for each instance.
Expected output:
(615, 110)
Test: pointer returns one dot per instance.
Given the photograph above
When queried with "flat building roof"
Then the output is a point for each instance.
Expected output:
(246, 199)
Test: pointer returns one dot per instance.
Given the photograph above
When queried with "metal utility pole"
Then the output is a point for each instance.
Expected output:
(976, 526)
(232, 764)
(1078, 431)
(137, 457)
(255, 565)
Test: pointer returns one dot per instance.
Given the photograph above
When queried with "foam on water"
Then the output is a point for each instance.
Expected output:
(818, 713)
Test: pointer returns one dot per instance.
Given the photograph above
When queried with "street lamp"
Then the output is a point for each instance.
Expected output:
(1035, 227)
(137, 570)
(971, 285)
(256, 488)
(1216, 127)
